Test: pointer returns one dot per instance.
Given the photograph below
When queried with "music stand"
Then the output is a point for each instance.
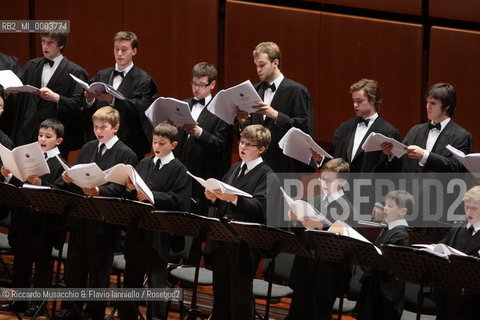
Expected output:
(467, 271)
(273, 240)
(48, 200)
(12, 195)
(123, 212)
(330, 246)
(189, 224)
(421, 267)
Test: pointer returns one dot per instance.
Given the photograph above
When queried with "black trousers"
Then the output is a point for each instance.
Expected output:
(30, 249)
(233, 297)
(142, 259)
(89, 264)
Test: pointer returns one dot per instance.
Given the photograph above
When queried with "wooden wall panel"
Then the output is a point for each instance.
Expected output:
(454, 58)
(92, 26)
(15, 44)
(468, 10)
(295, 31)
(405, 6)
(353, 48)
(175, 35)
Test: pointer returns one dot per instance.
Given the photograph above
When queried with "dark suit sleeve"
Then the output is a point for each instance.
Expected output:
(73, 99)
(216, 139)
(298, 111)
(140, 99)
(445, 161)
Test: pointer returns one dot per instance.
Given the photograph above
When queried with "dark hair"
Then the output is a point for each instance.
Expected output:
(204, 69)
(55, 125)
(60, 37)
(403, 199)
(446, 93)
(127, 35)
(166, 130)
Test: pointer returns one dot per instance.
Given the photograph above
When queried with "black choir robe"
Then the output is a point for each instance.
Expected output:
(32, 235)
(382, 295)
(119, 153)
(455, 306)
(171, 188)
(8, 63)
(234, 265)
(147, 251)
(317, 283)
(140, 91)
(293, 102)
(31, 110)
(362, 161)
(206, 156)
(92, 243)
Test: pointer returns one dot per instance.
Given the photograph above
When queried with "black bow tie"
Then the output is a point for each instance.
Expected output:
(118, 73)
(434, 126)
(365, 121)
(201, 101)
(50, 62)
(272, 87)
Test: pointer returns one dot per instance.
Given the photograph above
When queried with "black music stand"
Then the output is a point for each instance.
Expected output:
(467, 271)
(122, 212)
(423, 268)
(11, 195)
(273, 240)
(331, 246)
(189, 224)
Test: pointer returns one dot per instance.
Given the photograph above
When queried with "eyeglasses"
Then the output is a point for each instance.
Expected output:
(199, 85)
(247, 144)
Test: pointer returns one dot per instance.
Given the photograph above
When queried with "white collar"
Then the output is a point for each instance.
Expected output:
(476, 226)
(109, 144)
(396, 223)
(52, 152)
(335, 196)
(443, 123)
(252, 164)
(165, 159)
(126, 70)
(278, 80)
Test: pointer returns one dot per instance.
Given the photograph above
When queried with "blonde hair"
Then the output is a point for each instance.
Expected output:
(270, 48)
(473, 194)
(257, 134)
(107, 114)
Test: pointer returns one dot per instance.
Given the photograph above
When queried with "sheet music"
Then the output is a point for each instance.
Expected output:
(99, 87)
(225, 102)
(304, 209)
(297, 144)
(345, 230)
(470, 161)
(374, 140)
(212, 184)
(85, 175)
(121, 172)
(24, 161)
(170, 109)
(440, 249)
(10, 81)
